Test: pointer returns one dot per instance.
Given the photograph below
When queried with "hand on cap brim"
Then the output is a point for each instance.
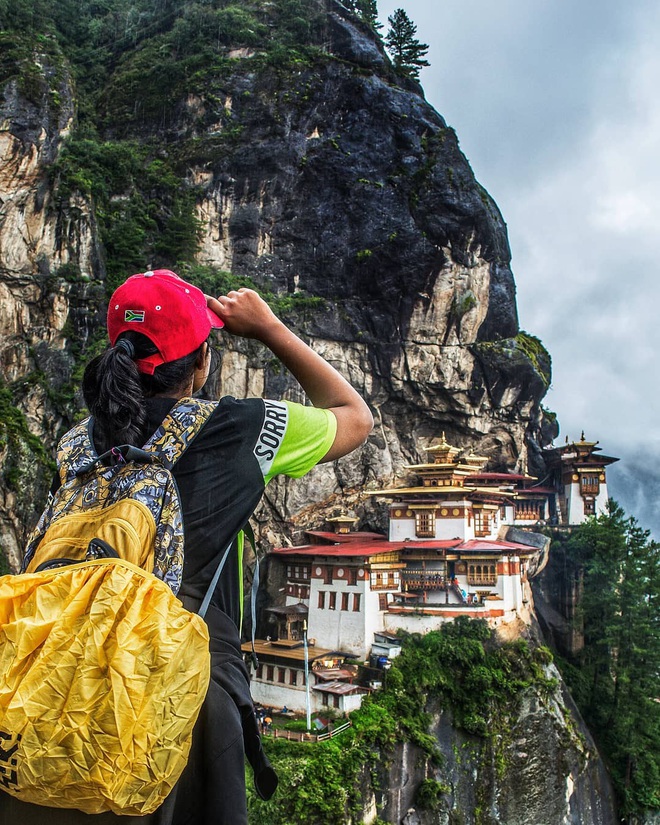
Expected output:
(243, 312)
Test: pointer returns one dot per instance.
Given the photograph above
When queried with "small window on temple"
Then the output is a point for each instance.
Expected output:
(270, 673)
(293, 677)
(281, 675)
(589, 507)
(356, 602)
(321, 599)
(382, 601)
(333, 600)
(589, 483)
(344, 601)
(425, 523)
(352, 576)
(481, 523)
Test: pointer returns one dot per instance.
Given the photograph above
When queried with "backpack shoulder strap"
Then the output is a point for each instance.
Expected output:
(75, 450)
(179, 428)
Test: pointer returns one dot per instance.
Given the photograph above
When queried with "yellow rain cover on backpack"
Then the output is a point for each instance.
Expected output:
(102, 675)
(102, 670)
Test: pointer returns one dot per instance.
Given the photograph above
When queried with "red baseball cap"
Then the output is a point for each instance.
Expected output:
(171, 313)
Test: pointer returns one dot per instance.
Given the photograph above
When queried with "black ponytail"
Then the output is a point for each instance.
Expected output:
(115, 392)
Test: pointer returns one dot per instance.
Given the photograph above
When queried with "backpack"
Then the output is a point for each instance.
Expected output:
(102, 670)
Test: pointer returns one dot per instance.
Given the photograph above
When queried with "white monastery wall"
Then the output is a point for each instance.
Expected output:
(601, 500)
(278, 696)
(338, 628)
(574, 504)
(510, 587)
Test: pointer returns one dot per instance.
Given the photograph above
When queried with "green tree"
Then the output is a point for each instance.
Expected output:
(367, 10)
(406, 50)
(616, 681)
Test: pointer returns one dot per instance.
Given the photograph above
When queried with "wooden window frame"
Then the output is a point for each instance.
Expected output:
(425, 523)
(482, 573)
(482, 524)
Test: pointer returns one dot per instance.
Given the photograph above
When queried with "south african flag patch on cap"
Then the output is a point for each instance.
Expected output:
(136, 315)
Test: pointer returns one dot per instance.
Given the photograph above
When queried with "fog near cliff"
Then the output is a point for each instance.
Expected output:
(556, 107)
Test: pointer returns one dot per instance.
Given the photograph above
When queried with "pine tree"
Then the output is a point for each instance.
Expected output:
(406, 50)
(366, 10)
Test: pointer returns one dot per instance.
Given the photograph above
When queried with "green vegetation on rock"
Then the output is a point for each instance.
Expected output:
(23, 450)
(460, 668)
(25, 465)
(533, 349)
(429, 794)
(169, 42)
(214, 281)
(523, 353)
(37, 65)
(145, 216)
(366, 10)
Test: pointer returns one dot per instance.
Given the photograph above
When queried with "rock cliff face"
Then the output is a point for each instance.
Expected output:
(547, 773)
(323, 175)
(558, 594)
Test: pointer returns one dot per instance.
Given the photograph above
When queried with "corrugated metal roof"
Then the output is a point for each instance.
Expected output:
(335, 674)
(290, 610)
(272, 650)
(340, 688)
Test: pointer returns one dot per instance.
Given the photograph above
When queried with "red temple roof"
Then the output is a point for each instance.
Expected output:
(374, 548)
(499, 477)
(481, 545)
(363, 548)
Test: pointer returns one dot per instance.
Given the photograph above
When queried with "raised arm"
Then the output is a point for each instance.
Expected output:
(247, 315)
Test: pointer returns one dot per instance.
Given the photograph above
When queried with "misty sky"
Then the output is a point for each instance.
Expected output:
(557, 107)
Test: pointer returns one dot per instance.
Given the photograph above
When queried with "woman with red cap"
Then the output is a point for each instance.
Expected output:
(158, 327)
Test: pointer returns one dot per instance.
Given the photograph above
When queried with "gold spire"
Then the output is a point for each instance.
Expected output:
(443, 453)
